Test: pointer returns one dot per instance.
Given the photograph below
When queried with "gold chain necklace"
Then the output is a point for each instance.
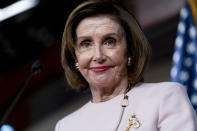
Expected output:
(133, 121)
(124, 104)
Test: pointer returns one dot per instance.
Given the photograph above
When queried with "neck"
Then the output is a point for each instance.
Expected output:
(105, 93)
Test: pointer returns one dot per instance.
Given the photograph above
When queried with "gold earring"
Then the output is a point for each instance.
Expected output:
(77, 66)
(129, 61)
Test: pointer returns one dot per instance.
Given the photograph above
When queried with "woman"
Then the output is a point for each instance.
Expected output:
(104, 49)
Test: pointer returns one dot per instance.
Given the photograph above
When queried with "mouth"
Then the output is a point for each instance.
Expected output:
(100, 68)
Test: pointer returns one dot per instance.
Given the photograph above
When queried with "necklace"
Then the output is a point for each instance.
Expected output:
(124, 104)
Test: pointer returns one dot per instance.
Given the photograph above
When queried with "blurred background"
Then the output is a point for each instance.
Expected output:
(31, 30)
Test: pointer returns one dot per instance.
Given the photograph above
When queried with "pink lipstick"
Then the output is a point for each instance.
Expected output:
(100, 68)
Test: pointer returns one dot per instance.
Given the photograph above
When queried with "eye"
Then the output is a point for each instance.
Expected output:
(110, 42)
(85, 43)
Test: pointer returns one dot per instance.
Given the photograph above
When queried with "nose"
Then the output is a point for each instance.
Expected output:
(98, 55)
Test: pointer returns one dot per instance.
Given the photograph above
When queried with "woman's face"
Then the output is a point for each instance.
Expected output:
(101, 51)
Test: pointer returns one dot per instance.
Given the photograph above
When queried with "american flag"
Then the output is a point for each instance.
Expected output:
(184, 69)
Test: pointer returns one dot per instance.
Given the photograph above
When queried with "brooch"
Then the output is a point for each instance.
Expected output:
(133, 121)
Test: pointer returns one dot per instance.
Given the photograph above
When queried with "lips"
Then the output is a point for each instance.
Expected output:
(100, 68)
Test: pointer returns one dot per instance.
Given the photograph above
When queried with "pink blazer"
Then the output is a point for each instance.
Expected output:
(158, 107)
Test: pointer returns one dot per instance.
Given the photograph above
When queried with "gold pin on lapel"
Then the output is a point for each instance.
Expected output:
(133, 121)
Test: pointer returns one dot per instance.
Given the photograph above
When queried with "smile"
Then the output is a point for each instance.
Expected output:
(100, 68)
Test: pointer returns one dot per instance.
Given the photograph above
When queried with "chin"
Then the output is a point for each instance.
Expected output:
(103, 82)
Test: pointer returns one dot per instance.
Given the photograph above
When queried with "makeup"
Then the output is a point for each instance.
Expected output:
(100, 68)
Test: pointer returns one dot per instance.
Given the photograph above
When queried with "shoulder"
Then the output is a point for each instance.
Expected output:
(165, 102)
(160, 88)
(160, 85)
(161, 94)
(68, 122)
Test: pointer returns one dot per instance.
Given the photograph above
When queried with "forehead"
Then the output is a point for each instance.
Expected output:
(99, 23)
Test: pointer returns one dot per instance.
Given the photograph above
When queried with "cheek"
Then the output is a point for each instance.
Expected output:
(83, 60)
(119, 57)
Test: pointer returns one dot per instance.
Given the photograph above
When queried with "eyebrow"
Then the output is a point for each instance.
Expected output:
(116, 34)
(81, 38)
(108, 34)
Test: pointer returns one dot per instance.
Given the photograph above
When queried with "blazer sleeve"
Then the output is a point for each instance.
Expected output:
(175, 110)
